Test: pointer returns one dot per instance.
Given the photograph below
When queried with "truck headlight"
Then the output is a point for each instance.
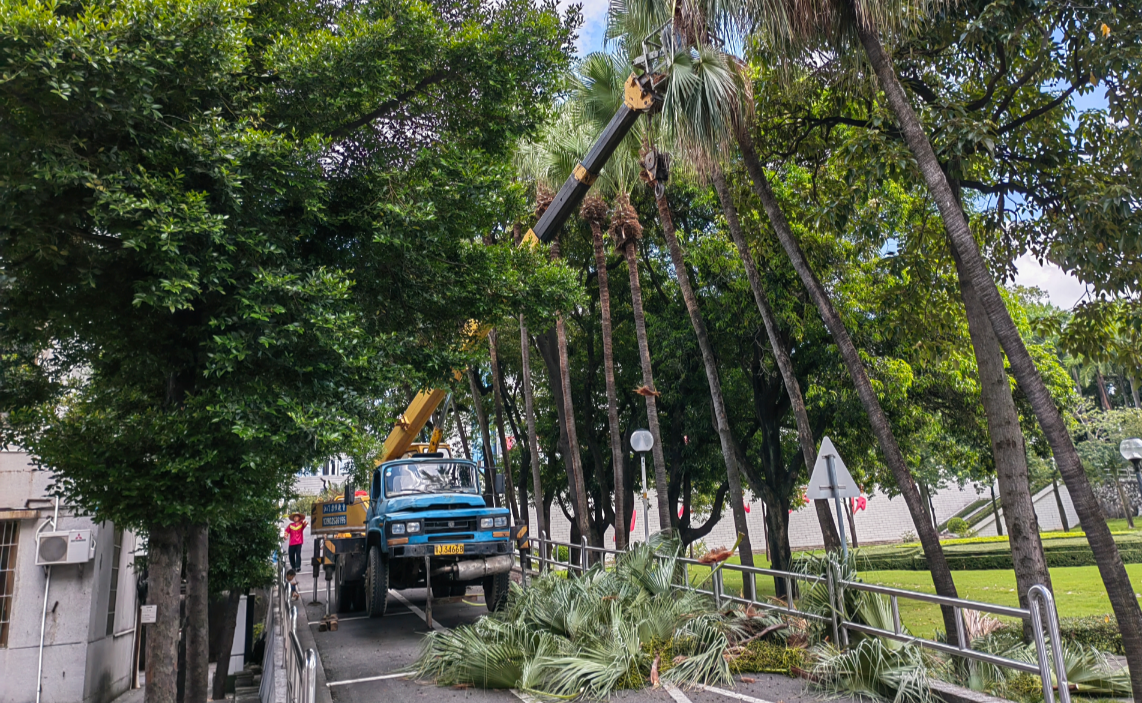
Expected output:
(501, 522)
(413, 527)
(398, 528)
(486, 523)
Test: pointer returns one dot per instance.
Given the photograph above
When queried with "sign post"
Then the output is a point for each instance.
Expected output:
(642, 441)
(831, 479)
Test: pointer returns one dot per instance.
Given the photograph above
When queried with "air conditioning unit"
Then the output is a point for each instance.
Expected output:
(70, 547)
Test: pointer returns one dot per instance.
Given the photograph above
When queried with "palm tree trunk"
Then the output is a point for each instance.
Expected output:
(1134, 391)
(197, 601)
(1008, 448)
(660, 481)
(574, 461)
(485, 437)
(498, 400)
(532, 438)
(852, 521)
(164, 569)
(621, 533)
(721, 419)
(1110, 566)
(778, 345)
(995, 511)
(929, 539)
(1102, 396)
(1062, 508)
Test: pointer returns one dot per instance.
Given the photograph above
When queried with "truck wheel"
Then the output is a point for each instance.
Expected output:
(342, 592)
(496, 591)
(376, 584)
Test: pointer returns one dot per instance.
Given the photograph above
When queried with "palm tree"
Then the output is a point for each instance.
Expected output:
(708, 116)
(532, 439)
(597, 95)
(594, 211)
(840, 20)
(780, 352)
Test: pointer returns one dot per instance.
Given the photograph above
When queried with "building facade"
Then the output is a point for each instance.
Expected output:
(87, 613)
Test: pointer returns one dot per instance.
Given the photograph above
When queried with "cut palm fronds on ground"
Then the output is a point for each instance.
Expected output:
(598, 633)
(872, 668)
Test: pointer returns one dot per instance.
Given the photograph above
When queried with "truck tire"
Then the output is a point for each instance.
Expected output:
(376, 583)
(344, 593)
(496, 591)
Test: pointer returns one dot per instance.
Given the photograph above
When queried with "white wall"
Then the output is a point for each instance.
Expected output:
(1046, 509)
(885, 519)
(81, 663)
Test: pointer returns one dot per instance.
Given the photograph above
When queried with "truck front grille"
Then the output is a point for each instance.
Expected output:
(439, 526)
(452, 538)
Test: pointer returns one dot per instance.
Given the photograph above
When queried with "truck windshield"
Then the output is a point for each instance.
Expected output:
(430, 477)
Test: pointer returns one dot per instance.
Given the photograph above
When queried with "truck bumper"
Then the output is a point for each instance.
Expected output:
(470, 549)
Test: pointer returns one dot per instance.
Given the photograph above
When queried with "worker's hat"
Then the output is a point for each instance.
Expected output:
(296, 515)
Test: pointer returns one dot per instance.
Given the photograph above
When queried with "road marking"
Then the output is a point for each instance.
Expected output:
(435, 625)
(731, 694)
(525, 697)
(369, 678)
(676, 694)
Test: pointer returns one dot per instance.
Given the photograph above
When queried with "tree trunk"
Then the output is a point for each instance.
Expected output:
(721, 419)
(1062, 509)
(197, 601)
(532, 439)
(1007, 447)
(661, 485)
(995, 511)
(852, 522)
(929, 539)
(574, 462)
(617, 458)
(462, 431)
(1110, 566)
(482, 420)
(777, 542)
(778, 346)
(1102, 396)
(1122, 499)
(164, 577)
(1134, 391)
(498, 400)
(226, 643)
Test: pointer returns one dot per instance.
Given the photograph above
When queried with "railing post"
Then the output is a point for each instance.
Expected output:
(542, 552)
(831, 585)
(1040, 599)
(310, 677)
(717, 587)
(583, 554)
(896, 626)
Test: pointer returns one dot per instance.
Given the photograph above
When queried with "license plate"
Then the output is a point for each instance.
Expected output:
(449, 549)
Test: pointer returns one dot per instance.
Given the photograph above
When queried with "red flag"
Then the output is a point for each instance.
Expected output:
(747, 507)
(633, 517)
(861, 503)
(511, 443)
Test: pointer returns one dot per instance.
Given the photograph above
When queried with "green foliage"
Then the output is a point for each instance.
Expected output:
(982, 553)
(765, 657)
(589, 635)
(226, 256)
(960, 527)
(872, 668)
(1096, 631)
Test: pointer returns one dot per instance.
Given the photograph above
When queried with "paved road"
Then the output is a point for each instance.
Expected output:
(363, 660)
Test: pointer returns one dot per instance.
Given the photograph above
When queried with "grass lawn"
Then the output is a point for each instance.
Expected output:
(1078, 590)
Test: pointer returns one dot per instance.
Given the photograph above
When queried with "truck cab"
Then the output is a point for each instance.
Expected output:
(428, 523)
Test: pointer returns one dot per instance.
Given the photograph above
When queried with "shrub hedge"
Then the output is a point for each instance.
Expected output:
(987, 554)
(1098, 631)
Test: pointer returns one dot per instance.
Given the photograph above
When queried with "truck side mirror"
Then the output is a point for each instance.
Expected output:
(350, 493)
(499, 483)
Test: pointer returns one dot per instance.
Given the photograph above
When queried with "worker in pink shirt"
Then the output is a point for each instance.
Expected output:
(295, 532)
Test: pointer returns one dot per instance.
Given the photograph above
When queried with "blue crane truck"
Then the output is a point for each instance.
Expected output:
(425, 522)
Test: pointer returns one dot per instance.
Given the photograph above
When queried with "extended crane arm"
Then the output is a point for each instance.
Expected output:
(641, 95)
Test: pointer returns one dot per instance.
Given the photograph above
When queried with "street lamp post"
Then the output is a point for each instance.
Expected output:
(1131, 450)
(642, 441)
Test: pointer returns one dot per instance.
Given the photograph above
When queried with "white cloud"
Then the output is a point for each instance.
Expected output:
(1063, 289)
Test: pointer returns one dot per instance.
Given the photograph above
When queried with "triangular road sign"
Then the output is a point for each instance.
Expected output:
(819, 484)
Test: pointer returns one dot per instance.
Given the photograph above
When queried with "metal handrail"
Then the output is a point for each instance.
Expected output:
(300, 665)
(1040, 598)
